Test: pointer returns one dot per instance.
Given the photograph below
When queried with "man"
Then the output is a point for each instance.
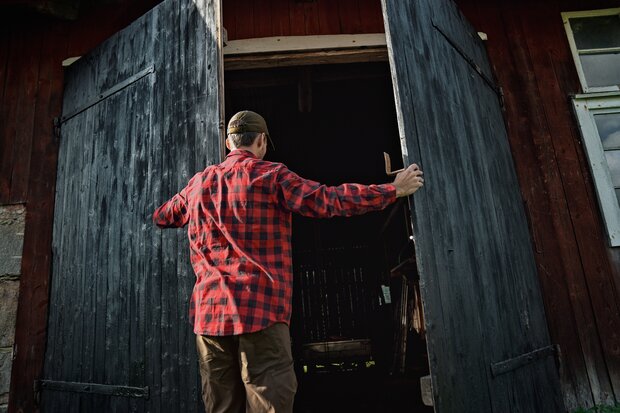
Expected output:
(239, 224)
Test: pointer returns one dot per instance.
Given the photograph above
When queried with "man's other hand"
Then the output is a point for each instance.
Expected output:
(408, 181)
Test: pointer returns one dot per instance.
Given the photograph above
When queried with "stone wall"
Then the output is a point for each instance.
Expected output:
(12, 220)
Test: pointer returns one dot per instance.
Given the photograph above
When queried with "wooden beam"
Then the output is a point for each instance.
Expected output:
(261, 61)
(303, 43)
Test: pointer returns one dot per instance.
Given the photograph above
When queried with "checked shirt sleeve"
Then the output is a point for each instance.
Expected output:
(173, 213)
(312, 199)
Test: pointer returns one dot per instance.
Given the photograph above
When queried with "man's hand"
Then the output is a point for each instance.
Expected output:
(408, 181)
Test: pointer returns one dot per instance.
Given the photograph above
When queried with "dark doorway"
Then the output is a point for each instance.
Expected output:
(357, 328)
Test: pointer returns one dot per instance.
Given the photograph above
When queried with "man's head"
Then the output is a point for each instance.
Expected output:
(248, 130)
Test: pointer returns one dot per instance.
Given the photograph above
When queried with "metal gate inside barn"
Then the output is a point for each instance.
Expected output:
(142, 113)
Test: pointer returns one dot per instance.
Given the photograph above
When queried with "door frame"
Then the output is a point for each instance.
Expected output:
(299, 51)
(283, 51)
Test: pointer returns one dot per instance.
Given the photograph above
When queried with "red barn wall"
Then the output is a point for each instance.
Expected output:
(264, 18)
(579, 274)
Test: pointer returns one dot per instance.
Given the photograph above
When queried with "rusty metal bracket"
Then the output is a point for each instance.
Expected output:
(388, 165)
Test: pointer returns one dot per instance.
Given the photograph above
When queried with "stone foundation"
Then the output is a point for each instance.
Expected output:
(12, 222)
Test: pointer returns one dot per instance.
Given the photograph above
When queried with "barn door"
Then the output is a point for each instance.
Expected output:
(141, 114)
(489, 348)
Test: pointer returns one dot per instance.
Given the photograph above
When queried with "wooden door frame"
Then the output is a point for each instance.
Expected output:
(283, 51)
(298, 51)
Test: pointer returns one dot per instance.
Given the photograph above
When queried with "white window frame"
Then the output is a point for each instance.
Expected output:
(566, 16)
(586, 107)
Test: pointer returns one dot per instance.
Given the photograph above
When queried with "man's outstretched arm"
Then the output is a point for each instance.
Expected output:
(313, 199)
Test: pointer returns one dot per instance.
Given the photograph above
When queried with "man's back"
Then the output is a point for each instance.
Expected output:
(239, 225)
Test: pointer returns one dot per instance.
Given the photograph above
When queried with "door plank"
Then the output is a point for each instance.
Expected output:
(120, 291)
(480, 290)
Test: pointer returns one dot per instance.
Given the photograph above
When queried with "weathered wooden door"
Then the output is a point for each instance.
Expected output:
(488, 342)
(141, 114)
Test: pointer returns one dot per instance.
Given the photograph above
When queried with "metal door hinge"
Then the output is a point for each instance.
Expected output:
(514, 363)
(93, 388)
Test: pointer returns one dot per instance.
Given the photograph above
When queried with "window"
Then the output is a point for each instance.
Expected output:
(599, 120)
(594, 38)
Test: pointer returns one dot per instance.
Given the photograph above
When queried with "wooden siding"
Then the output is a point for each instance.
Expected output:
(245, 19)
(579, 274)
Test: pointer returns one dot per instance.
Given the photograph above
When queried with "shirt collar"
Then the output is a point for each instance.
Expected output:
(241, 152)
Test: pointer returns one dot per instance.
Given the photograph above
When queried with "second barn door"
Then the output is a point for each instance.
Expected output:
(141, 114)
(488, 343)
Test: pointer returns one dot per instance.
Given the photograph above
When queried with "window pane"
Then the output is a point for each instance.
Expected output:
(608, 125)
(613, 161)
(596, 32)
(601, 69)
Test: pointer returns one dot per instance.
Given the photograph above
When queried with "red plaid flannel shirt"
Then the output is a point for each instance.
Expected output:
(239, 217)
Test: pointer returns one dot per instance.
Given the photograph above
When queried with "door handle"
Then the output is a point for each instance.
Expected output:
(388, 165)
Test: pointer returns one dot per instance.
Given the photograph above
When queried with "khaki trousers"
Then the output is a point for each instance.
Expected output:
(250, 373)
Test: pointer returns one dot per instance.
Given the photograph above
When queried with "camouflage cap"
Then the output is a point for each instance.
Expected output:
(248, 121)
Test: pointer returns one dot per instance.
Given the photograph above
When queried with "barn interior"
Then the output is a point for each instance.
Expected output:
(357, 328)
